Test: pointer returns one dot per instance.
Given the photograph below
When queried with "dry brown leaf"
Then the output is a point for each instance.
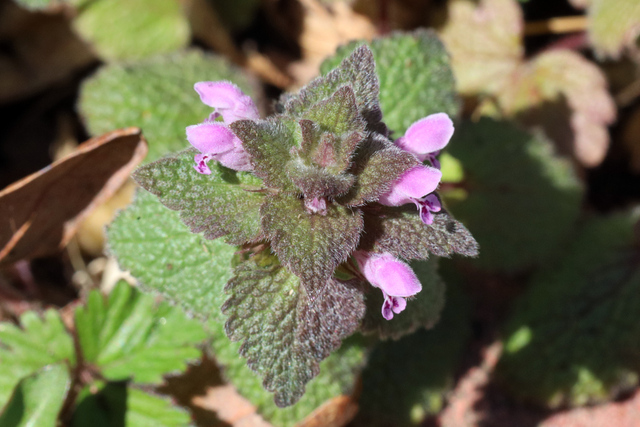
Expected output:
(631, 138)
(41, 212)
(558, 89)
(336, 412)
(41, 50)
(230, 407)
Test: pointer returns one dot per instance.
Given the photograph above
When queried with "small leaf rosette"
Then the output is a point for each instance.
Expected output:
(322, 202)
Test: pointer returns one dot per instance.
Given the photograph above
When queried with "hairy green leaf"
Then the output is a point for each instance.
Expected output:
(39, 342)
(337, 114)
(316, 182)
(400, 232)
(423, 310)
(225, 203)
(156, 95)
(133, 29)
(311, 245)
(286, 333)
(522, 201)
(573, 337)
(116, 404)
(415, 77)
(38, 398)
(129, 335)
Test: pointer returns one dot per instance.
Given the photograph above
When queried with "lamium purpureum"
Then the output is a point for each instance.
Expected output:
(319, 201)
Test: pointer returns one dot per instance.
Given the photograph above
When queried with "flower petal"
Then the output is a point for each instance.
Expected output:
(413, 184)
(427, 135)
(388, 273)
(392, 305)
(211, 138)
(228, 100)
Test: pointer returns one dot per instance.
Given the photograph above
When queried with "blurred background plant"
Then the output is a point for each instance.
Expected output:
(544, 169)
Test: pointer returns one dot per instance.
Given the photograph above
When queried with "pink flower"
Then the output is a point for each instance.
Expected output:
(393, 277)
(426, 137)
(215, 140)
(416, 186)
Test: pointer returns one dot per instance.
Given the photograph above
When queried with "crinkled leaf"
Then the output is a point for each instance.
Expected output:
(37, 343)
(311, 245)
(338, 113)
(400, 232)
(314, 181)
(270, 143)
(415, 77)
(358, 70)
(129, 335)
(156, 95)
(38, 398)
(225, 203)
(133, 29)
(109, 404)
(406, 380)
(423, 310)
(614, 25)
(286, 333)
(573, 337)
(568, 97)
(522, 201)
(483, 63)
(377, 164)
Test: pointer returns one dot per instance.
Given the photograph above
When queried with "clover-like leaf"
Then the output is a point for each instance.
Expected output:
(311, 245)
(225, 203)
(129, 335)
(573, 337)
(270, 143)
(522, 210)
(377, 164)
(39, 342)
(156, 95)
(144, 27)
(285, 332)
(415, 77)
(400, 232)
(100, 403)
(408, 379)
(423, 311)
(38, 398)
(358, 71)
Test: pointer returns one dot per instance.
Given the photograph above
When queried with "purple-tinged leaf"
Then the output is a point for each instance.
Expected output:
(315, 182)
(285, 334)
(402, 233)
(224, 203)
(337, 114)
(311, 245)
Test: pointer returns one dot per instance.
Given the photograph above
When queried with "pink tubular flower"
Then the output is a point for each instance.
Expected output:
(393, 277)
(215, 140)
(426, 137)
(416, 186)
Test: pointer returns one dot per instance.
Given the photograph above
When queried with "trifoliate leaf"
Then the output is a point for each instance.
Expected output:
(614, 25)
(522, 202)
(423, 310)
(225, 203)
(377, 164)
(567, 96)
(38, 398)
(483, 63)
(133, 29)
(159, 250)
(116, 404)
(415, 77)
(156, 95)
(129, 335)
(285, 332)
(311, 245)
(270, 143)
(573, 338)
(406, 380)
(37, 343)
(400, 232)
(357, 69)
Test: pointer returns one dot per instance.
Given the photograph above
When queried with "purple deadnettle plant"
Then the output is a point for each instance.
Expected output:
(318, 199)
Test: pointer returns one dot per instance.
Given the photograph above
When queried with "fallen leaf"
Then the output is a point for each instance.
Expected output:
(335, 412)
(42, 211)
(631, 138)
